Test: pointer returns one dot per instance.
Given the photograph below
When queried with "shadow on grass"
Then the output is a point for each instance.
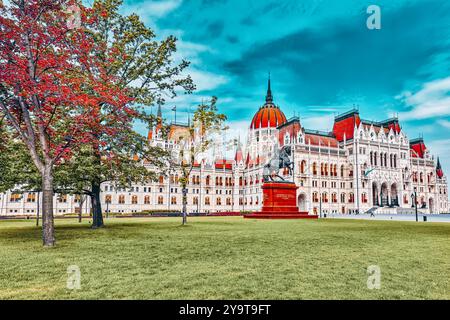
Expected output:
(84, 231)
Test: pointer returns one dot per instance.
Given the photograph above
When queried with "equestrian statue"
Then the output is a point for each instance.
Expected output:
(282, 160)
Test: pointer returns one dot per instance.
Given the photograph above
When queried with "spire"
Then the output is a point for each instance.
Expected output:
(269, 98)
(439, 171)
(159, 113)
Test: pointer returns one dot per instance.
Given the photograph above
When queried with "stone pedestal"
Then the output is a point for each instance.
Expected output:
(280, 202)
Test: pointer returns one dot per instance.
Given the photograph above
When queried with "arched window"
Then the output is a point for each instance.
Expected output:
(324, 197)
(314, 167)
(173, 200)
(134, 200)
(351, 198)
(147, 200)
(161, 179)
(334, 198)
(364, 197)
(160, 200)
(108, 198)
(342, 171)
(315, 197)
(218, 201)
(228, 201)
(208, 180)
(405, 199)
(207, 201)
(303, 166)
(342, 197)
(121, 199)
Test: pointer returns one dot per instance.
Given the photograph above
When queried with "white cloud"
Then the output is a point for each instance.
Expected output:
(322, 123)
(149, 11)
(205, 80)
(444, 123)
(433, 100)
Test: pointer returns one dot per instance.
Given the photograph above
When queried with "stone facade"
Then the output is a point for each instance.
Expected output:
(360, 166)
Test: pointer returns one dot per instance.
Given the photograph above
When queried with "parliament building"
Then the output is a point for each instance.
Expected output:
(360, 166)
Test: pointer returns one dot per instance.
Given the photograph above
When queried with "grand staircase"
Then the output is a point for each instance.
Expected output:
(393, 210)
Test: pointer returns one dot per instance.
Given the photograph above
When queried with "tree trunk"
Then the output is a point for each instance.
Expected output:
(38, 208)
(97, 217)
(80, 214)
(48, 228)
(184, 191)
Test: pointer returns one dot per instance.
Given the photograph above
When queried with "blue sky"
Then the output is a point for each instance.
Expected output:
(322, 58)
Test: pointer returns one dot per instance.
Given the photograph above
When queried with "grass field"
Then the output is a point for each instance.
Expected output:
(227, 258)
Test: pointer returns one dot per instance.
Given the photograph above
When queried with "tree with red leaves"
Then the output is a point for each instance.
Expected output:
(53, 89)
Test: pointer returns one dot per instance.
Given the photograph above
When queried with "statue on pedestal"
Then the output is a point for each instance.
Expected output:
(281, 160)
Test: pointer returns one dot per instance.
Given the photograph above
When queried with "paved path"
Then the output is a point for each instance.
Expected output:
(397, 217)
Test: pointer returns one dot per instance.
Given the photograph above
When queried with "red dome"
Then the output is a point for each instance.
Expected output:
(268, 116)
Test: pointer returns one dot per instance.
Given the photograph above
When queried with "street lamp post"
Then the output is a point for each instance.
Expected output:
(414, 195)
(320, 206)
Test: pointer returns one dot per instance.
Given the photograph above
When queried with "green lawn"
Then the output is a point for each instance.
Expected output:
(227, 258)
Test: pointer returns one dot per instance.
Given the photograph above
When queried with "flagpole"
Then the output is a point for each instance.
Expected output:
(174, 109)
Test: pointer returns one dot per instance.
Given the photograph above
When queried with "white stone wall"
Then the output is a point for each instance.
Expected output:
(352, 156)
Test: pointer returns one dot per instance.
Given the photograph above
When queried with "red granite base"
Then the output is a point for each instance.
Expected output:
(280, 202)
(280, 215)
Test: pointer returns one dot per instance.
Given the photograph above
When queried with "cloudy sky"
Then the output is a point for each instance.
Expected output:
(322, 58)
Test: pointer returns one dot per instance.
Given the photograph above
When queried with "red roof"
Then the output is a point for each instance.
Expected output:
(268, 116)
(292, 127)
(345, 124)
(324, 141)
(224, 164)
(418, 148)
